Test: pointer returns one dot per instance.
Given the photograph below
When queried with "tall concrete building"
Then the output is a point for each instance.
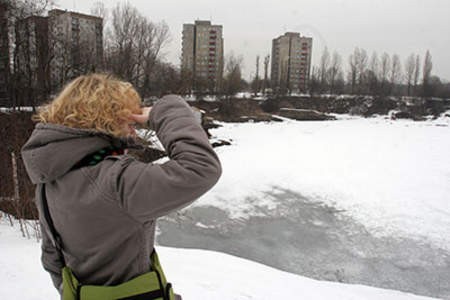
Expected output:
(202, 55)
(291, 63)
(76, 44)
(32, 59)
(55, 49)
(4, 55)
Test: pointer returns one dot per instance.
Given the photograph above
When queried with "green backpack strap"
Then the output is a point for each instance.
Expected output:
(145, 286)
(151, 285)
(70, 285)
(166, 286)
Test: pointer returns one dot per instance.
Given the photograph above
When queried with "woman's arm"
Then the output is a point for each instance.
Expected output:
(148, 191)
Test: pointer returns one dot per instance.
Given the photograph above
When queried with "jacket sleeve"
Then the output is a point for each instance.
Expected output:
(51, 259)
(148, 191)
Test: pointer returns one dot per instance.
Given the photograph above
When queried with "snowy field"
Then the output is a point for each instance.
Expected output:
(195, 274)
(393, 177)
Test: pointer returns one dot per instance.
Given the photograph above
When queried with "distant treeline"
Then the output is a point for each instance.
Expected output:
(133, 50)
(377, 75)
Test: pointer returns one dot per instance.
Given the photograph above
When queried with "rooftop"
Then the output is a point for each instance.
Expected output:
(58, 12)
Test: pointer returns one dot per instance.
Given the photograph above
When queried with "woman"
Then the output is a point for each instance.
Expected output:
(102, 202)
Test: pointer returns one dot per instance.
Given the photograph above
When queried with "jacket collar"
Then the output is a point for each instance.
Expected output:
(52, 150)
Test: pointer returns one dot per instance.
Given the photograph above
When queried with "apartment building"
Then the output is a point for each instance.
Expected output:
(202, 55)
(4, 56)
(75, 43)
(32, 58)
(291, 63)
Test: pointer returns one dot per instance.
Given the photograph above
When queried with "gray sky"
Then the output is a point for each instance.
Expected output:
(394, 26)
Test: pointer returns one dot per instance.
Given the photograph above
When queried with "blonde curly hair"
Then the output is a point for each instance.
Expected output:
(93, 101)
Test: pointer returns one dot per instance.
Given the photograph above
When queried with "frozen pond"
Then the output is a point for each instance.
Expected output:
(315, 240)
(354, 200)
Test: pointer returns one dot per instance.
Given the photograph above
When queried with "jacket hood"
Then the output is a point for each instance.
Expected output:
(52, 150)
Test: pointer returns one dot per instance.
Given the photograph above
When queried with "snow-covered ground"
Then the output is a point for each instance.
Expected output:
(391, 176)
(195, 274)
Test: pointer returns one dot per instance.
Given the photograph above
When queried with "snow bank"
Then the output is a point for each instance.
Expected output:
(391, 176)
(195, 274)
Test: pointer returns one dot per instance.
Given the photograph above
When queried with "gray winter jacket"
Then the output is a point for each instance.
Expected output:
(106, 213)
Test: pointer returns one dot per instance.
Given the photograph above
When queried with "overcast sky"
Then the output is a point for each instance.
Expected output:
(394, 26)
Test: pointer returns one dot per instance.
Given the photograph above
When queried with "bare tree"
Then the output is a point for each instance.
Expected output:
(335, 70)
(60, 50)
(165, 79)
(396, 72)
(352, 72)
(266, 71)
(125, 20)
(323, 68)
(257, 66)
(374, 63)
(154, 38)
(135, 46)
(32, 60)
(427, 67)
(358, 66)
(99, 9)
(233, 79)
(186, 80)
(373, 73)
(22, 81)
(416, 73)
(385, 68)
(410, 67)
(361, 60)
(255, 85)
(314, 83)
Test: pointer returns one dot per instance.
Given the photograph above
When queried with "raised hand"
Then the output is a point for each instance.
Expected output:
(143, 117)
